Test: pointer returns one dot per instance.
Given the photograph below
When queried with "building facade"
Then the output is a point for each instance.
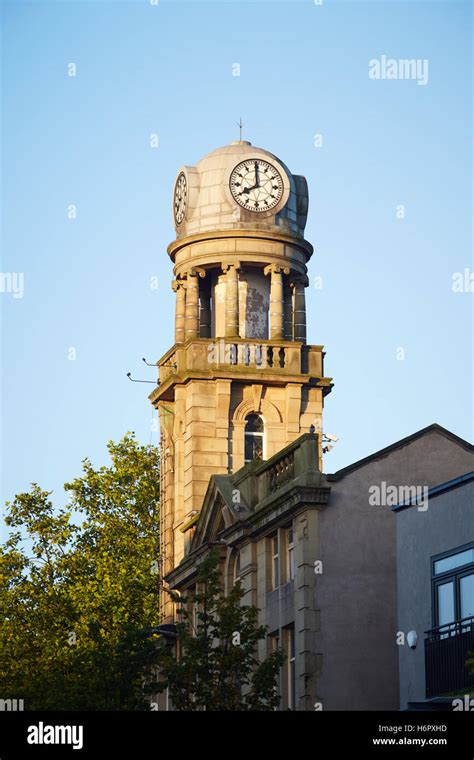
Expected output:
(240, 381)
(435, 552)
(240, 399)
(318, 555)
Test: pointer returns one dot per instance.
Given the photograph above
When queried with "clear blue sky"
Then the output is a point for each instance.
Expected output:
(167, 69)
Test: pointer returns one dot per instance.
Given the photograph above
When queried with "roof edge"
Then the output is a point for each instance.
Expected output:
(434, 427)
(449, 485)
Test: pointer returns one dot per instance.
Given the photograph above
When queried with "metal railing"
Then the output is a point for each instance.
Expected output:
(446, 651)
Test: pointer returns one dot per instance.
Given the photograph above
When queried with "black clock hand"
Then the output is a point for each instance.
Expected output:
(248, 189)
(256, 175)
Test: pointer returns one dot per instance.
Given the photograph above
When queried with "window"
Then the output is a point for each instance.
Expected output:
(290, 554)
(274, 642)
(275, 561)
(453, 586)
(253, 438)
(466, 595)
(291, 667)
(453, 561)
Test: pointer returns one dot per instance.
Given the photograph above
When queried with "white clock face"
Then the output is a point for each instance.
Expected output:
(180, 198)
(256, 185)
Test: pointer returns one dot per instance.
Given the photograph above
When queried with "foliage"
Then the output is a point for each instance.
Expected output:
(78, 589)
(217, 667)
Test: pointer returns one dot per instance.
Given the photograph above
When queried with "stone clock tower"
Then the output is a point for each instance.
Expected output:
(240, 381)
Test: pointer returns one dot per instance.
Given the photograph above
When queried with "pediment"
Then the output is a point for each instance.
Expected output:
(218, 511)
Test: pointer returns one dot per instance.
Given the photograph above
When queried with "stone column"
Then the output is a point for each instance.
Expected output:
(299, 309)
(205, 311)
(276, 305)
(276, 300)
(287, 312)
(192, 306)
(231, 301)
(178, 288)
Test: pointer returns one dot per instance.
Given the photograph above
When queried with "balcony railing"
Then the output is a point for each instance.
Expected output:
(242, 356)
(295, 466)
(282, 471)
(446, 652)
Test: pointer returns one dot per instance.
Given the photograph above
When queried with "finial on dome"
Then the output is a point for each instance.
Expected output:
(240, 125)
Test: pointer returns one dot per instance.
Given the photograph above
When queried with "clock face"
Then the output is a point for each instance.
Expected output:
(180, 198)
(256, 185)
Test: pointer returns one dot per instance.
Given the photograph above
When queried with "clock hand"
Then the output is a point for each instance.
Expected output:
(256, 175)
(248, 189)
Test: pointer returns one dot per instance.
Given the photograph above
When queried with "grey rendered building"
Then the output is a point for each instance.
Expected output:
(435, 551)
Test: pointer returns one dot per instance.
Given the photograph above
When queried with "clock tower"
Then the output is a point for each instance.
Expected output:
(240, 381)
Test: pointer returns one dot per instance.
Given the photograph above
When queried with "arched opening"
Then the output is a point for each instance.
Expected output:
(254, 438)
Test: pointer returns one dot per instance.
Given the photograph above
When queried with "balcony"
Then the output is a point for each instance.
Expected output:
(446, 652)
(219, 357)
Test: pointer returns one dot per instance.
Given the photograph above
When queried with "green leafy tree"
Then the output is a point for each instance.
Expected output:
(217, 667)
(79, 587)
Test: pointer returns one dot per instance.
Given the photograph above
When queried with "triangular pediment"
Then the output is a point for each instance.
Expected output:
(218, 511)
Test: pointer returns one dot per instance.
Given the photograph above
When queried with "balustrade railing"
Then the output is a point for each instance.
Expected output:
(282, 471)
(287, 358)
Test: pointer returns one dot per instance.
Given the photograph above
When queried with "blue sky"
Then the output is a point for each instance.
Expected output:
(166, 69)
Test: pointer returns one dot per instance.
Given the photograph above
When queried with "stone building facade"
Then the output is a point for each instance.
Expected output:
(240, 359)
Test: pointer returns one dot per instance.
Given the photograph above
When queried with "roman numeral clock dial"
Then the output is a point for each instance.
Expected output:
(256, 185)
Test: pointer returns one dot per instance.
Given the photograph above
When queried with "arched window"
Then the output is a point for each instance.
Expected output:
(253, 438)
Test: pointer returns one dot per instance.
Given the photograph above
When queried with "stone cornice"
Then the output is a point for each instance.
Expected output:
(272, 235)
(249, 375)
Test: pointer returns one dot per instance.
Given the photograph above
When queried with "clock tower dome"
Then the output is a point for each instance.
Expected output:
(240, 381)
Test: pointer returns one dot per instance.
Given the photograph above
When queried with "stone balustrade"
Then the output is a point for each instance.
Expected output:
(240, 355)
(296, 463)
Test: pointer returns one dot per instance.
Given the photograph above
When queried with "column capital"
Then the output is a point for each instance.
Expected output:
(300, 280)
(275, 269)
(196, 272)
(228, 264)
(177, 284)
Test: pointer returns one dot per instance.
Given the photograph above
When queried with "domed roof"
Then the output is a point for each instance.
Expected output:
(211, 205)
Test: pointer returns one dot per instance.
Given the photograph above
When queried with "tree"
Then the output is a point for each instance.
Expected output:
(217, 667)
(79, 589)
